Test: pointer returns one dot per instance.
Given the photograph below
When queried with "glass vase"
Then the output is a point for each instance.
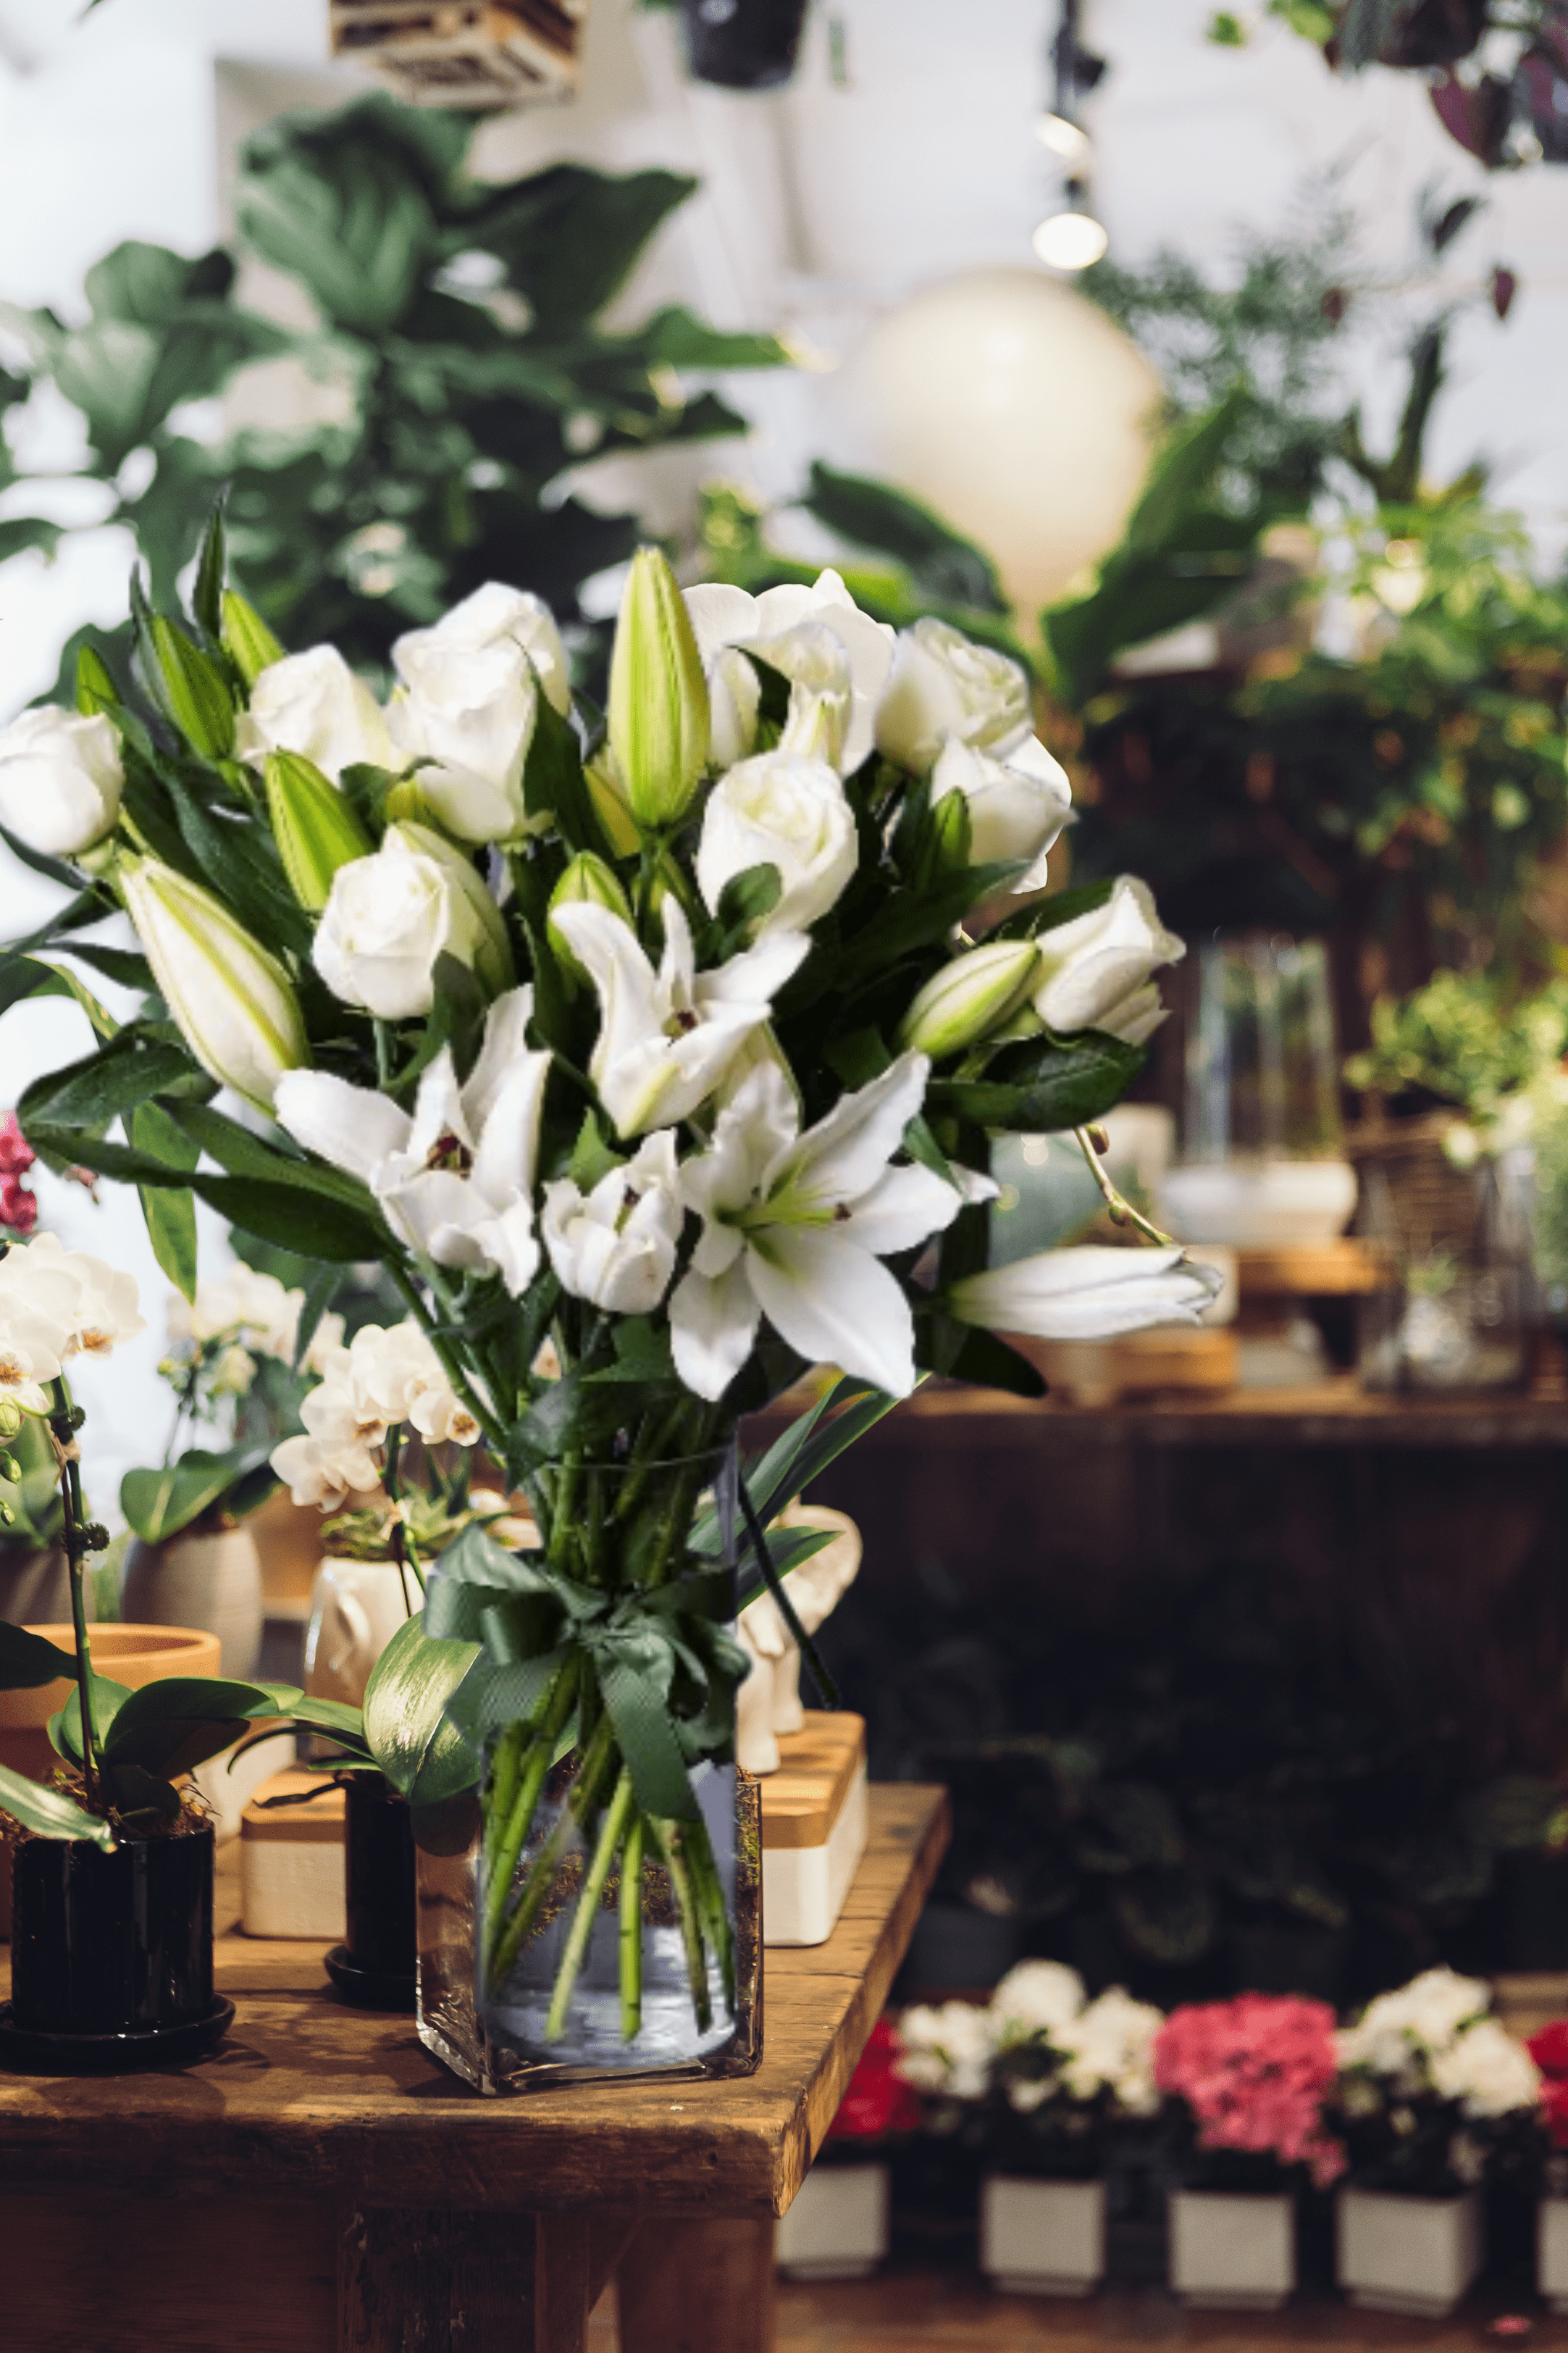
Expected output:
(569, 1926)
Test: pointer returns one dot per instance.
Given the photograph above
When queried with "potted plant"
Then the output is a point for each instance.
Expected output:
(1065, 2072)
(743, 44)
(1548, 2049)
(1431, 2092)
(1249, 2079)
(838, 2226)
(112, 1857)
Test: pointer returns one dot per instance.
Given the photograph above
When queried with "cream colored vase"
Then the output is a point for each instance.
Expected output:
(213, 1581)
(356, 1608)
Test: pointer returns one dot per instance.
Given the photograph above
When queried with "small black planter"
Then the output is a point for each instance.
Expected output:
(111, 1955)
(743, 44)
(374, 1969)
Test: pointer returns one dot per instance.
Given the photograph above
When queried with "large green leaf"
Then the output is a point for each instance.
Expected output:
(421, 1752)
(159, 1503)
(28, 1661)
(945, 566)
(107, 1698)
(89, 1094)
(170, 1214)
(48, 1813)
(572, 236)
(1044, 1086)
(171, 1727)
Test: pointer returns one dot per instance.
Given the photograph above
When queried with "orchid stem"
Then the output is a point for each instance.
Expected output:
(1122, 1210)
(76, 1552)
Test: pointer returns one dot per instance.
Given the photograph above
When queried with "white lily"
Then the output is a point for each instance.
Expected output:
(723, 616)
(615, 1246)
(455, 1181)
(668, 1037)
(1093, 1292)
(794, 1228)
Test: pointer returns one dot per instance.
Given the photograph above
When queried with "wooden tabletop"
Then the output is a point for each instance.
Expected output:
(307, 2098)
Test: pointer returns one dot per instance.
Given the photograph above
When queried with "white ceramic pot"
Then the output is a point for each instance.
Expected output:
(1261, 1203)
(1042, 2238)
(1233, 2249)
(212, 1582)
(837, 2227)
(1407, 2254)
(1552, 2252)
(356, 1608)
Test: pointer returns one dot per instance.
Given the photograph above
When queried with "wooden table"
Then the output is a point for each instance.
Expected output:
(322, 2182)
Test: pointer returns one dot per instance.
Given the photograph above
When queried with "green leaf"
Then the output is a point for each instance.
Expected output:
(212, 572)
(320, 1294)
(136, 1791)
(49, 1813)
(159, 1503)
(675, 338)
(89, 1094)
(1045, 1085)
(572, 236)
(27, 1661)
(170, 1216)
(944, 566)
(423, 1754)
(552, 783)
(107, 1698)
(174, 1724)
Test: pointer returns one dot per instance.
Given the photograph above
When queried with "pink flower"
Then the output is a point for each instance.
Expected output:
(1255, 2073)
(16, 1154)
(18, 1208)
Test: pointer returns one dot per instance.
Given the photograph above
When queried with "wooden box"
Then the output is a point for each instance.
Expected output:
(468, 53)
(814, 1827)
(291, 1859)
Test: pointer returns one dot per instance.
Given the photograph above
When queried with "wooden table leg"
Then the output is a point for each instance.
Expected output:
(422, 2280)
(698, 2287)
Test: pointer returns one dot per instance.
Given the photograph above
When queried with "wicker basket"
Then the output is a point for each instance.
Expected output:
(1434, 1204)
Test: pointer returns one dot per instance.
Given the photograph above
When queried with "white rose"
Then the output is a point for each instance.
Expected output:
(391, 915)
(1487, 2071)
(1017, 806)
(313, 704)
(1097, 971)
(496, 615)
(60, 780)
(466, 713)
(1110, 2046)
(947, 2051)
(723, 616)
(945, 686)
(1034, 1998)
(785, 810)
(615, 1246)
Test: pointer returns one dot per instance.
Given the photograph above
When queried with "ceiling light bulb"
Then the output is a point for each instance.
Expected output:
(1070, 241)
(1062, 137)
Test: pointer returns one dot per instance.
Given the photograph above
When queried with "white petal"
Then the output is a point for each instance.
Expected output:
(353, 1127)
(713, 1324)
(844, 1154)
(506, 1036)
(508, 1146)
(755, 976)
(437, 1110)
(904, 1209)
(511, 1246)
(720, 616)
(436, 1212)
(835, 1303)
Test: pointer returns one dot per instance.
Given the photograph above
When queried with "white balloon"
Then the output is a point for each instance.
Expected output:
(1018, 411)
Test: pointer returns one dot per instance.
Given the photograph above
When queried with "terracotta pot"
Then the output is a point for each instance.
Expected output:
(126, 1653)
(209, 1580)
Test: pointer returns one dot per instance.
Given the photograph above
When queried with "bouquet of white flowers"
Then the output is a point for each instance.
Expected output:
(655, 1037)
(1430, 2085)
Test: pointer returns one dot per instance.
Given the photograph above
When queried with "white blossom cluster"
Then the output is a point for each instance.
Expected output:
(55, 1304)
(1104, 2046)
(244, 1313)
(1433, 2036)
(384, 1378)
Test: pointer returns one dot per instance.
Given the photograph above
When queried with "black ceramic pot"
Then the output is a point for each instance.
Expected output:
(111, 1943)
(374, 1967)
(743, 44)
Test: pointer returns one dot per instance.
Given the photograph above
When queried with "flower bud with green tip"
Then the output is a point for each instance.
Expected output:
(246, 639)
(659, 714)
(235, 1008)
(192, 691)
(95, 690)
(969, 999)
(611, 806)
(588, 881)
(952, 835)
(314, 828)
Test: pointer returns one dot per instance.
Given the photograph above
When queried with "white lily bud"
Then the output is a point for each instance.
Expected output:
(658, 716)
(788, 811)
(60, 780)
(943, 686)
(233, 1002)
(1088, 1294)
(390, 916)
(969, 998)
(1017, 806)
(1097, 972)
(313, 704)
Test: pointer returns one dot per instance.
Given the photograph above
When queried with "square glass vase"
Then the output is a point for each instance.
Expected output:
(1233, 2249)
(498, 2036)
(1398, 2254)
(1041, 2237)
(837, 2227)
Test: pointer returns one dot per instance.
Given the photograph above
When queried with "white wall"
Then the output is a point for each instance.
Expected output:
(821, 205)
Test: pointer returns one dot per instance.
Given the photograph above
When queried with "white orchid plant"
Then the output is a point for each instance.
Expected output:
(654, 1037)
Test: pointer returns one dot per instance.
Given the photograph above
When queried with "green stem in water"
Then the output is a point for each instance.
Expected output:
(541, 1877)
(714, 1911)
(511, 1806)
(611, 1832)
(669, 1834)
(631, 1932)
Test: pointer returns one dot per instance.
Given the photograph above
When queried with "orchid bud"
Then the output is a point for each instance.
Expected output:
(246, 639)
(588, 881)
(233, 1001)
(659, 712)
(192, 691)
(314, 828)
(969, 998)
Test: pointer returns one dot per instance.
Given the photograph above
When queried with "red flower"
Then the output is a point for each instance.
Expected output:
(1255, 2073)
(878, 2101)
(16, 1154)
(1548, 2049)
(18, 1208)
(1554, 2109)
